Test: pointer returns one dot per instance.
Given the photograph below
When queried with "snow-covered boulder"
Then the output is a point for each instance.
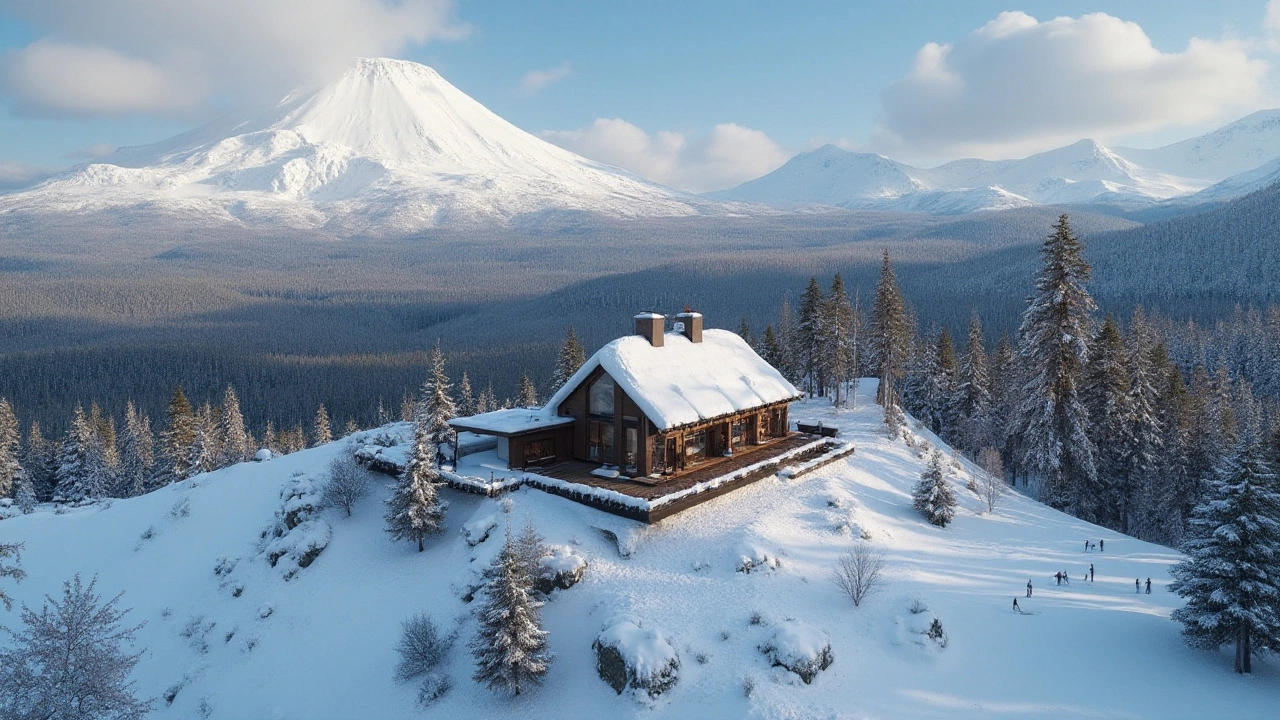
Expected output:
(799, 647)
(560, 569)
(477, 530)
(753, 558)
(301, 501)
(262, 455)
(629, 655)
(299, 547)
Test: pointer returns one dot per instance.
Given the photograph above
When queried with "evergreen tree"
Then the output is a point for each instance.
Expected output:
(890, 333)
(1105, 394)
(1006, 387)
(270, 440)
(1143, 437)
(10, 467)
(384, 416)
(206, 447)
(526, 396)
(24, 493)
(933, 497)
(486, 402)
(809, 336)
(467, 398)
(530, 548)
(570, 359)
(236, 447)
(510, 646)
(40, 461)
(837, 343)
(321, 434)
(176, 440)
(971, 404)
(435, 408)
(770, 351)
(744, 332)
(351, 428)
(82, 469)
(414, 510)
(1175, 491)
(788, 363)
(1231, 577)
(407, 407)
(1052, 424)
(137, 453)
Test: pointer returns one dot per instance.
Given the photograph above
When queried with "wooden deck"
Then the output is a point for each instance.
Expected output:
(653, 488)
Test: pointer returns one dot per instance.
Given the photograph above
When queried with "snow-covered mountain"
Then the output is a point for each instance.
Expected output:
(228, 637)
(388, 146)
(1081, 173)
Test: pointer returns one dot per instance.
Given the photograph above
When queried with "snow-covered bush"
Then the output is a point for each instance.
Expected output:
(859, 572)
(421, 649)
(298, 536)
(629, 655)
(936, 633)
(918, 606)
(301, 501)
(346, 485)
(752, 558)
(560, 569)
(799, 647)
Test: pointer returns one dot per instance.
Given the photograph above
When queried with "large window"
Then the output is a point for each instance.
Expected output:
(695, 447)
(600, 440)
(540, 452)
(737, 433)
(600, 397)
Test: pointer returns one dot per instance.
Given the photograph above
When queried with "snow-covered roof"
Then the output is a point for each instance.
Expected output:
(513, 421)
(684, 382)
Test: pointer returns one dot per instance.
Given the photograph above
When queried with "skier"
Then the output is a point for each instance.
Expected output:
(1148, 586)
(1015, 605)
(1028, 588)
(1058, 577)
(1090, 572)
(1137, 586)
(1066, 578)
(1102, 545)
(1086, 546)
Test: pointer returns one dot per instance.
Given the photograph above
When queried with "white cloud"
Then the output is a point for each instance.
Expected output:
(535, 80)
(15, 175)
(1017, 85)
(93, 152)
(727, 156)
(113, 57)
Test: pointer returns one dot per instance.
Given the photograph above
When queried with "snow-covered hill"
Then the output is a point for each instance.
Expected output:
(319, 646)
(389, 146)
(1085, 172)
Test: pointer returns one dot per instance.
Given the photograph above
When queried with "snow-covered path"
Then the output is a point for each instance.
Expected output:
(1088, 650)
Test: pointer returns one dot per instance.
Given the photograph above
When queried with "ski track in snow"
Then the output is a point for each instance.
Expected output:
(1090, 650)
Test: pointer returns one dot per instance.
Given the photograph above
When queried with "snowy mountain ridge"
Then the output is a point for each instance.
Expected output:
(1084, 172)
(228, 637)
(390, 145)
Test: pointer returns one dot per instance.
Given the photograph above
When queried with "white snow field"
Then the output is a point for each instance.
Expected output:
(324, 647)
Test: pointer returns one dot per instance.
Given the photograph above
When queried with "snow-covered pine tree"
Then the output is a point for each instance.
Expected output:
(809, 336)
(351, 428)
(467, 397)
(1144, 438)
(1231, 577)
(105, 429)
(414, 510)
(510, 646)
(384, 415)
(571, 357)
(788, 364)
(487, 402)
(1175, 491)
(1105, 394)
(137, 453)
(40, 461)
(933, 497)
(82, 469)
(270, 440)
(530, 548)
(771, 352)
(236, 447)
(971, 403)
(435, 406)
(205, 449)
(407, 405)
(179, 434)
(744, 332)
(321, 433)
(527, 393)
(838, 358)
(1052, 424)
(24, 493)
(889, 334)
(10, 446)
(1005, 388)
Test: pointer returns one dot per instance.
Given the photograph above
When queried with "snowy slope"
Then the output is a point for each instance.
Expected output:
(1083, 651)
(390, 145)
(829, 176)
(1235, 148)
(1237, 185)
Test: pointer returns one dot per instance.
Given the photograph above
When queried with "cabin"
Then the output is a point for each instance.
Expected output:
(651, 406)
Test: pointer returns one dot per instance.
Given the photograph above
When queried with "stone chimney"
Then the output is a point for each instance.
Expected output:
(651, 326)
(690, 325)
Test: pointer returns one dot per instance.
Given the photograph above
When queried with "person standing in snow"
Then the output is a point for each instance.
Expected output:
(1102, 544)
(1066, 578)
(1028, 588)
(1090, 572)
(1148, 586)
(1015, 605)
(1086, 546)
(1058, 576)
(1137, 586)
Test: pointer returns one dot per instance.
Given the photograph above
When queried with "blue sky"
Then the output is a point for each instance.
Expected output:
(696, 94)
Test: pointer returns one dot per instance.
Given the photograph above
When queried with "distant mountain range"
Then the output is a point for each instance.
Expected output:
(390, 146)
(1226, 163)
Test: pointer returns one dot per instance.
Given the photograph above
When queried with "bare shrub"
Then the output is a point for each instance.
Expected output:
(991, 486)
(421, 647)
(347, 483)
(859, 572)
